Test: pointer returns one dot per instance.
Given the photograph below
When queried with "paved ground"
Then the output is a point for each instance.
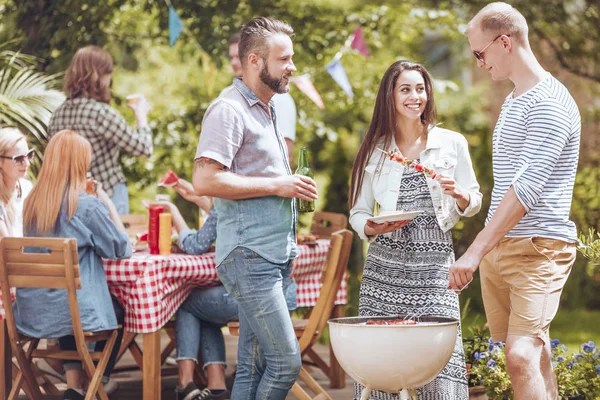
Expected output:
(130, 382)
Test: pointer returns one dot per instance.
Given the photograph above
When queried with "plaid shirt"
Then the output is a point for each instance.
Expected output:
(108, 133)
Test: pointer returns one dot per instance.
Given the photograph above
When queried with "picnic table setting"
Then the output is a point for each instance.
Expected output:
(157, 278)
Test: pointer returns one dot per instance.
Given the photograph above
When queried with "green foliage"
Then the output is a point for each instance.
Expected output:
(490, 370)
(585, 210)
(578, 375)
(589, 246)
(568, 29)
(27, 99)
(475, 343)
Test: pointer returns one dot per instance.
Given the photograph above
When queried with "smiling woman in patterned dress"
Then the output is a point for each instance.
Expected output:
(406, 270)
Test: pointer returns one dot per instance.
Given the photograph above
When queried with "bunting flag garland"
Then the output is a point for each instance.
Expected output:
(358, 43)
(335, 68)
(337, 72)
(306, 86)
(175, 26)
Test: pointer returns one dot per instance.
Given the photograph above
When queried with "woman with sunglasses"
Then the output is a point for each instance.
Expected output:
(15, 158)
(59, 206)
(87, 110)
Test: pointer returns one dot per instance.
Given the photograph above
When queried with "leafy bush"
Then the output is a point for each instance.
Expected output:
(578, 375)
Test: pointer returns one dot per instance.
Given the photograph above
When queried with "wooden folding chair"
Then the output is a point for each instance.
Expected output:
(58, 269)
(325, 223)
(308, 331)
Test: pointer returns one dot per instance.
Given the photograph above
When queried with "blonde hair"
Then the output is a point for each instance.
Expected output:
(84, 75)
(501, 19)
(9, 137)
(62, 176)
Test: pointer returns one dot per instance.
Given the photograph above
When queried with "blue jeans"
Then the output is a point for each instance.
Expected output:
(121, 198)
(268, 351)
(199, 321)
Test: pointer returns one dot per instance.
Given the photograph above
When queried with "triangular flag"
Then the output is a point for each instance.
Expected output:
(337, 72)
(175, 26)
(358, 43)
(304, 83)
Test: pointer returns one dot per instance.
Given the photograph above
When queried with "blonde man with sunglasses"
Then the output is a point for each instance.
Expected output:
(526, 251)
(15, 159)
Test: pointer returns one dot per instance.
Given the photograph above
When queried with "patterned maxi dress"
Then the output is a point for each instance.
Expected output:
(409, 271)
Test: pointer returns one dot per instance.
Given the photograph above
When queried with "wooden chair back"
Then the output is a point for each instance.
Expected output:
(331, 278)
(134, 224)
(48, 263)
(324, 223)
(56, 267)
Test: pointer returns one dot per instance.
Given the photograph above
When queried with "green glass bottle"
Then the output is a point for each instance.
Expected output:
(304, 169)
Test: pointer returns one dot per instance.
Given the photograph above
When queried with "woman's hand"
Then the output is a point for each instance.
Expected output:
(186, 190)
(102, 195)
(176, 217)
(373, 228)
(454, 190)
(112, 210)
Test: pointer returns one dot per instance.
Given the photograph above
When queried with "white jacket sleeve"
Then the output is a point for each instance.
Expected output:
(363, 209)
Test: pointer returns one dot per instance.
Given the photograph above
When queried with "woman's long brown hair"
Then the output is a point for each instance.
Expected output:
(384, 120)
(84, 75)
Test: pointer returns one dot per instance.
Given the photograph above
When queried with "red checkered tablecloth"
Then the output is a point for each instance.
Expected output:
(153, 287)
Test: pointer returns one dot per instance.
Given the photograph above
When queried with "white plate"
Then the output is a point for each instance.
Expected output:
(395, 216)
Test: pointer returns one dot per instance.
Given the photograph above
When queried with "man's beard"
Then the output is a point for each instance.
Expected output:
(275, 84)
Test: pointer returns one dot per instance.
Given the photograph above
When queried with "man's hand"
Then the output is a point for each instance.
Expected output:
(373, 228)
(186, 190)
(461, 272)
(296, 186)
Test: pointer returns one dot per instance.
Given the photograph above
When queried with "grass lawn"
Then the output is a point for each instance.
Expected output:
(571, 327)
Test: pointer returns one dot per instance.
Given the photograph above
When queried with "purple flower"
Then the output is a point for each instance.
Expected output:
(560, 359)
(554, 343)
(589, 347)
(491, 364)
(495, 346)
(570, 365)
(479, 355)
(598, 369)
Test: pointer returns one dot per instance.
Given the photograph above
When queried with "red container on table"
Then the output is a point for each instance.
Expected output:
(153, 226)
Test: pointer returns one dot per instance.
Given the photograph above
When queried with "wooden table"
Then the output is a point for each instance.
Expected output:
(152, 287)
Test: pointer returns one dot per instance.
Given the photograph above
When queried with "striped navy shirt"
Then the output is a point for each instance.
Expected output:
(536, 150)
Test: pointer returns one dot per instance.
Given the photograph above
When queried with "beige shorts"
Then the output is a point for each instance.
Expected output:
(521, 283)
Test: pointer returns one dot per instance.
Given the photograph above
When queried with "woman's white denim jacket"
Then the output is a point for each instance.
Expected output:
(444, 149)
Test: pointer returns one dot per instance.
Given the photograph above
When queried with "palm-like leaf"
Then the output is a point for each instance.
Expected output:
(26, 96)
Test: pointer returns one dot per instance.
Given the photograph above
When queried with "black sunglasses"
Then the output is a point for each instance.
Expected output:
(20, 159)
(479, 54)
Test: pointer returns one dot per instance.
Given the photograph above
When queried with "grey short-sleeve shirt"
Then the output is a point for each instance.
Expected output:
(238, 132)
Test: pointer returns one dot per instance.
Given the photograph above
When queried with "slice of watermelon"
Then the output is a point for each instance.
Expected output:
(169, 179)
